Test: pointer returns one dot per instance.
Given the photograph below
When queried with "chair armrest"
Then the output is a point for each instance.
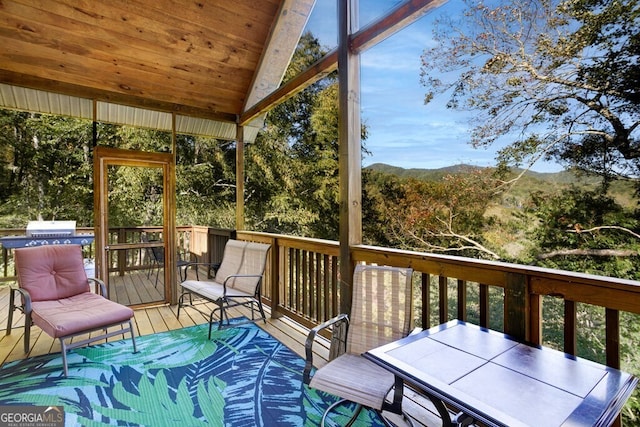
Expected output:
(26, 300)
(184, 264)
(236, 276)
(101, 284)
(211, 266)
(308, 345)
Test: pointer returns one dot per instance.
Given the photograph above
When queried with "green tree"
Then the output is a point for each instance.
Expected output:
(553, 79)
(446, 216)
(583, 230)
(206, 181)
(292, 169)
(46, 169)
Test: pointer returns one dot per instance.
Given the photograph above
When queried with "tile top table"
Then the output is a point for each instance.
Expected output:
(497, 380)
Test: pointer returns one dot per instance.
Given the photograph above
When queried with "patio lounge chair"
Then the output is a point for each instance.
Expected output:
(56, 296)
(237, 282)
(380, 313)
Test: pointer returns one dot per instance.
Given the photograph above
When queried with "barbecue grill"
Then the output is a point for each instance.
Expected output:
(47, 233)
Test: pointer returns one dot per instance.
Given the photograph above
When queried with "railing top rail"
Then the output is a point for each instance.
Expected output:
(321, 245)
(412, 257)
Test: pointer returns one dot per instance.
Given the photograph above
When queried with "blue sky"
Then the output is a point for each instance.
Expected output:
(402, 130)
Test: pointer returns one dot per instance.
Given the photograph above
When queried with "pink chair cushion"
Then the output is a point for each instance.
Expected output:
(78, 313)
(51, 272)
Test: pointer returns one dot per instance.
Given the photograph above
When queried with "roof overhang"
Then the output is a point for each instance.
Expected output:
(141, 61)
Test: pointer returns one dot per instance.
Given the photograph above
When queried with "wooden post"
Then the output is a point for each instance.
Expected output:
(169, 220)
(239, 178)
(350, 147)
(516, 306)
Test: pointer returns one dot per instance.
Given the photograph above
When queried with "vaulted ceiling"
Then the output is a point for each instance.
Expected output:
(207, 59)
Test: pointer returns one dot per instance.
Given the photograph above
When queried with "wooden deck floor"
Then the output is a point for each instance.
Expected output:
(161, 318)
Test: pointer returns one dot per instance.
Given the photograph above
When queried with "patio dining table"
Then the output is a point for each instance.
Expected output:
(489, 377)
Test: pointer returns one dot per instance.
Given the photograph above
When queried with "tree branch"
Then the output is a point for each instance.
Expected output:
(589, 252)
(604, 227)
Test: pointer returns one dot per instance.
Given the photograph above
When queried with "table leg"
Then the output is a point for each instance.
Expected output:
(442, 410)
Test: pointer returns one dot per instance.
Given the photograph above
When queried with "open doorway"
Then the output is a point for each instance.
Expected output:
(134, 205)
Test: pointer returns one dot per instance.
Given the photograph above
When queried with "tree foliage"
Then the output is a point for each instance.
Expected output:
(583, 230)
(205, 181)
(292, 169)
(447, 216)
(551, 79)
(46, 172)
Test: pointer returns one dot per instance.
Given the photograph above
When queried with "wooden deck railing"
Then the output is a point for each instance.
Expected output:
(302, 281)
(132, 254)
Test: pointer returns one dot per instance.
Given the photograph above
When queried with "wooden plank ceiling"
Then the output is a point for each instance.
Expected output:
(200, 58)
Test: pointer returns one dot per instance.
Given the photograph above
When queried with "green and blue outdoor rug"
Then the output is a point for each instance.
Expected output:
(241, 377)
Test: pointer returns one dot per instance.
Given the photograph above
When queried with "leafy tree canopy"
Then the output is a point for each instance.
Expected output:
(554, 79)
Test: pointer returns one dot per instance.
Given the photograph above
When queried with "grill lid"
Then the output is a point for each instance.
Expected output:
(51, 228)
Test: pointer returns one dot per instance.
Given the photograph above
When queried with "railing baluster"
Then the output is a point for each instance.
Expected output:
(613, 337)
(304, 293)
(335, 300)
(570, 340)
(535, 321)
(296, 284)
(326, 295)
(484, 305)
(292, 278)
(426, 300)
(462, 300)
(443, 298)
(515, 306)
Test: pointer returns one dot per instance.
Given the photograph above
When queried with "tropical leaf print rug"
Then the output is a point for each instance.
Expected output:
(241, 377)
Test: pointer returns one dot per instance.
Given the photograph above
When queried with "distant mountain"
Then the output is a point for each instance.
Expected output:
(622, 191)
(425, 174)
(563, 177)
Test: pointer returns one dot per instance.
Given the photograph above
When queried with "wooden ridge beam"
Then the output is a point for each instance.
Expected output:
(399, 18)
(306, 78)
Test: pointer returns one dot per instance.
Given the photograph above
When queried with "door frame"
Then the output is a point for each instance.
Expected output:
(103, 157)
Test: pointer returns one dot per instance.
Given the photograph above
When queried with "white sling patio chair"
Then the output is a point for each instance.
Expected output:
(237, 282)
(380, 314)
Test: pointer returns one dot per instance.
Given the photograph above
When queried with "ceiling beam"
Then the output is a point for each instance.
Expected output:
(399, 18)
(283, 39)
(402, 16)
